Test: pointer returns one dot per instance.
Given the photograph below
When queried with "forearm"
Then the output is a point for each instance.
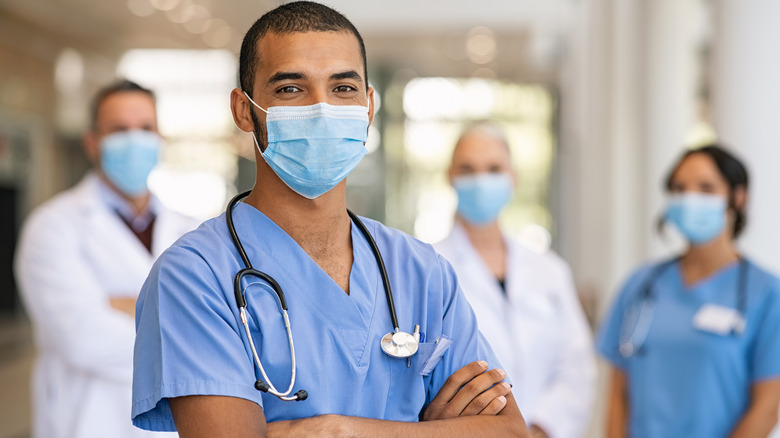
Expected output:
(761, 415)
(617, 406)
(754, 426)
(346, 427)
(757, 422)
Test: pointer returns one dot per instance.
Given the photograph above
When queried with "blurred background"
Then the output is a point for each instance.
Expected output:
(598, 98)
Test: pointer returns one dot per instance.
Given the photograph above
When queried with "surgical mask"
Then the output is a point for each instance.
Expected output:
(127, 158)
(699, 217)
(482, 196)
(312, 148)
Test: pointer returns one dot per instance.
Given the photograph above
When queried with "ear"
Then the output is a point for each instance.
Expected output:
(370, 105)
(92, 148)
(513, 174)
(739, 197)
(242, 110)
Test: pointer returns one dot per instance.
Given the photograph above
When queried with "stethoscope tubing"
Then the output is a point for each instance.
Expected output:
(382, 270)
(627, 345)
(266, 385)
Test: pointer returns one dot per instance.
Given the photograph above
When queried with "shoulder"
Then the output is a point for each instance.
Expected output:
(400, 243)
(66, 208)
(638, 279)
(414, 262)
(193, 267)
(548, 261)
(207, 241)
(761, 281)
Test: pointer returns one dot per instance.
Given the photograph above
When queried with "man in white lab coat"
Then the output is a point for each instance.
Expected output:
(81, 261)
(525, 301)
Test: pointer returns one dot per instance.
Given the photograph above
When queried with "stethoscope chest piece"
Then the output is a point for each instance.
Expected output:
(399, 344)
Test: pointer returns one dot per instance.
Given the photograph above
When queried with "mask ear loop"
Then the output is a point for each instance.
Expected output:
(254, 137)
(254, 103)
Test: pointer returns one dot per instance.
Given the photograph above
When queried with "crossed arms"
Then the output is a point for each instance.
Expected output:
(473, 402)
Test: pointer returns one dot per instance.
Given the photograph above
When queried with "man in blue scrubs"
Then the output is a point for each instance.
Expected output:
(305, 98)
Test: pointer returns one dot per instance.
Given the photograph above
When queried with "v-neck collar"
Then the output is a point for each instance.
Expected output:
(304, 282)
(706, 281)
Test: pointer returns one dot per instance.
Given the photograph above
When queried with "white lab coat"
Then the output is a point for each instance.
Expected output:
(74, 254)
(537, 330)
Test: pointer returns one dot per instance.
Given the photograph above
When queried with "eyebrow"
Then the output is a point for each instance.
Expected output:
(285, 76)
(351, 74)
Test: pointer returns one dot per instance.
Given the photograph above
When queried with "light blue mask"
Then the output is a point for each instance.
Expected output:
(313, 148)
(699, 217)
(127, 158)
(482, 196)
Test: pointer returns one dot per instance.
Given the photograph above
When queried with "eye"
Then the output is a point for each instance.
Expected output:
(287, 89)
(464, 169)
(707, 187)
(344, 89)
(677, 188)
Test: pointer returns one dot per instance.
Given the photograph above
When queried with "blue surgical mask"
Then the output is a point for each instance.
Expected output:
(699, 217)
(127, 158)
(313, 148)
(482, 196)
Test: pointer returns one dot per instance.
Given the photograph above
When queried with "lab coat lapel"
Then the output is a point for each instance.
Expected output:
(123, 255)
(473, 272)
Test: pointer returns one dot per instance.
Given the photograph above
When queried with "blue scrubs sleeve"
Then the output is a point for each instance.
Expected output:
(460, 325)
(188, 340)
(766, 351)
(608, 336)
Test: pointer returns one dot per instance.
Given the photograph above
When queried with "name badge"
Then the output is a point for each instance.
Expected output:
(718, 319)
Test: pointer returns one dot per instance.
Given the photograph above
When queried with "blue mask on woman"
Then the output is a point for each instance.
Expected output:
(127, 158)
(482, 196)
(312, 148)
(699, 217)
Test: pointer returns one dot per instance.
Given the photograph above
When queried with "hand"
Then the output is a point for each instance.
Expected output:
(537, 432)
(471, 390)
(124, 304)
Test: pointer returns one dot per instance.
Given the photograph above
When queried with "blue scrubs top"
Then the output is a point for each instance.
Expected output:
(685, 381)
(190, 340)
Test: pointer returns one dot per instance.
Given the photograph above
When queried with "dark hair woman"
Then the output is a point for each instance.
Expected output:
(693, 342)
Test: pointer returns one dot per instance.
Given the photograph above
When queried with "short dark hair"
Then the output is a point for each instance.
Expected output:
(120, 86)
(730, 168)
(299, 16)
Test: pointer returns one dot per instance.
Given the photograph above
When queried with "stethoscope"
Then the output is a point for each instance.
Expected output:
(396, 343)
(638, 319)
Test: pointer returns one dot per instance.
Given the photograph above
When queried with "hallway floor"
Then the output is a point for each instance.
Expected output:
(16, 358)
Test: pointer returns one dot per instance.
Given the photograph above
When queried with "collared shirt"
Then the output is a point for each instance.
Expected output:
(137, 222)
(141, 224)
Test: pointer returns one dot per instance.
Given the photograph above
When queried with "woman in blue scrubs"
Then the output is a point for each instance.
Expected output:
(694, 342)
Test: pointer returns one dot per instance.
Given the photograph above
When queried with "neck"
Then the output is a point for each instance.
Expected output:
(699, 261)
(139, 203)
(320, 226)
(483, 236)
(310, 222)
(489, 243)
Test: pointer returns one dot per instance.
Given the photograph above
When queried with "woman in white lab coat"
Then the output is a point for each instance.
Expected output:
(524, 300)
(81, 261)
